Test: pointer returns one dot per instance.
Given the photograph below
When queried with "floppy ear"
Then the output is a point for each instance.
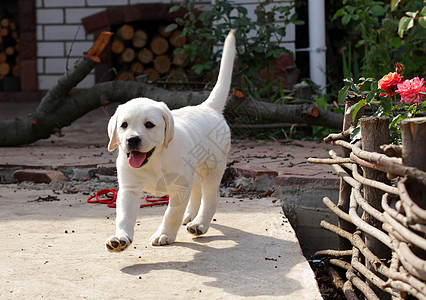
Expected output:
(170, 125)
(112, 133)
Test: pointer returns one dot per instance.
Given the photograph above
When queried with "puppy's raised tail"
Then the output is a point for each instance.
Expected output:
(219, 94)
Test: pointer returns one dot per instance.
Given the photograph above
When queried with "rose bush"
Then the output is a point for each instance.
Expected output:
(391, 96)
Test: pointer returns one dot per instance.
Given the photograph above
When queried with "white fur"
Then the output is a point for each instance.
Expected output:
(191, 145)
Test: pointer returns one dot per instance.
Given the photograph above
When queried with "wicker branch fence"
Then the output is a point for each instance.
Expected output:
(381, 211)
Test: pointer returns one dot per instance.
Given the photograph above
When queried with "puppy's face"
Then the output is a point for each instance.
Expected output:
(140, 127)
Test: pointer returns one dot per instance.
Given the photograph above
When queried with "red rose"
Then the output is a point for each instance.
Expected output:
(389, 82)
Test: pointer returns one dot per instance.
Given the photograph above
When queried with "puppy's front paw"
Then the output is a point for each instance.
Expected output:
(188, 218)
(160, 239)
(117, 244)
(196, 228)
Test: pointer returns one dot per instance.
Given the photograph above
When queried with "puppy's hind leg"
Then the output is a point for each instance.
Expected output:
(172, 220)
(210, 198)
(194, 202)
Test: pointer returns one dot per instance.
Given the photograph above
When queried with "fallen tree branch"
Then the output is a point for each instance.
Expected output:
(59, 109)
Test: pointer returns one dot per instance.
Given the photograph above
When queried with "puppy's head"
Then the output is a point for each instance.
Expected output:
(140, 127)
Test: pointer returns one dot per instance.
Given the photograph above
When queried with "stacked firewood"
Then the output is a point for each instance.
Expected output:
(9, 49)
(138, 51)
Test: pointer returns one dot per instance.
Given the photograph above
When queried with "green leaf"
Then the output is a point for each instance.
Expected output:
(356, 134)
(378, 10)
(171, 27)
(404, 24)
(422, 22)
(174, 8)
(396, 119)
(342, 94)
(321, 102)
(396, 42)
(242, 10)
(350, 9)
(339, 13)
(386, 104)
(394, 4)
(346, 19)
(412, 14)
(178, 51)
(370, 96)
(198, 69)
(357, 107)
(356, 89)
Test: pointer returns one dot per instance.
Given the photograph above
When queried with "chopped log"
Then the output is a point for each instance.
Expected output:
(145, 56)
(5, 22)
(4, 68)
(126, 32)
(128, 55)
(159, 45)
(136, 68)
(16, 71)
(140, 38)
(3, 57)
(152, 74)
(18, 47)
(12, 25)
(163, 32)
(117, 46)
(179, 59)
(177, 41)
(162, 64)
(14, 35)
(126, 76)
(4, 32)
(9, 50)
(177, 76)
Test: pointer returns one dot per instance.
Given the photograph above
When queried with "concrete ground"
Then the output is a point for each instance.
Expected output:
(55, 249)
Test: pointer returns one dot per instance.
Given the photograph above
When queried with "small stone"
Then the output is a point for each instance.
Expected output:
(38, 176)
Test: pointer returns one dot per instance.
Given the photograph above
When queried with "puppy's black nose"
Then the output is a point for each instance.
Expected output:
(133, 142)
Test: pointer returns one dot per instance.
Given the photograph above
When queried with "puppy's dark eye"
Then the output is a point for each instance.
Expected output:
(124, 125)
(149, 125)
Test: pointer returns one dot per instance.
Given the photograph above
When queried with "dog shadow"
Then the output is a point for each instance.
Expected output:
(249, 258)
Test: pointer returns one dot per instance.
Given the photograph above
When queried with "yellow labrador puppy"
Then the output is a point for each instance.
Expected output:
(180, 153)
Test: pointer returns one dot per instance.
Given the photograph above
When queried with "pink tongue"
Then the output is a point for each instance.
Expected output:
(136, 159)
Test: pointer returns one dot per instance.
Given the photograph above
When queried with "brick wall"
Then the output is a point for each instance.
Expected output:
(61, 37)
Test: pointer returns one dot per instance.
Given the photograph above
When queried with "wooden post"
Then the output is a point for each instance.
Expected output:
(413, 154)
(374, 133)
(414, 142)
(345, 188)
